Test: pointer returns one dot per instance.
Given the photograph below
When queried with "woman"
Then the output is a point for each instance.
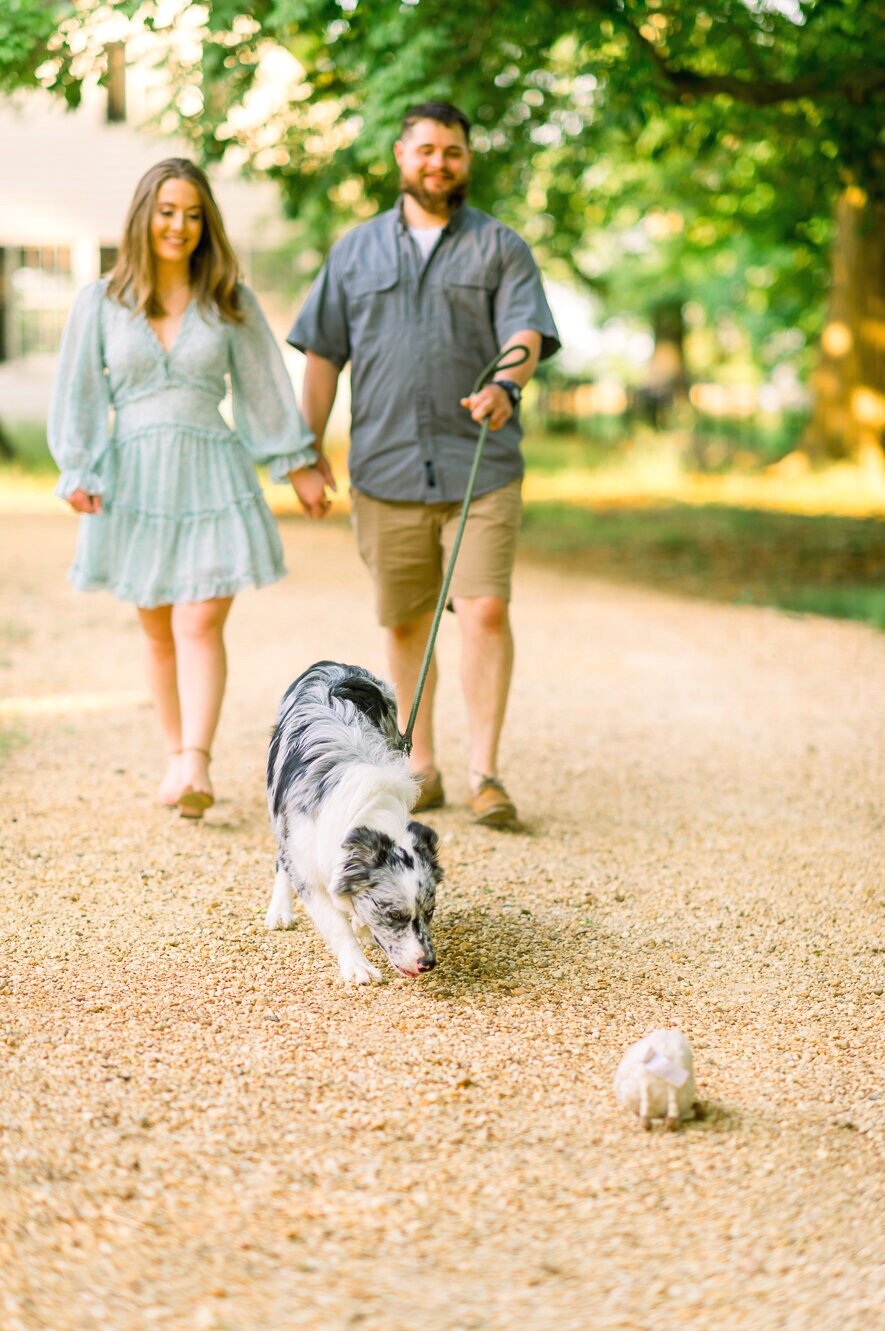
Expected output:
(174, 516)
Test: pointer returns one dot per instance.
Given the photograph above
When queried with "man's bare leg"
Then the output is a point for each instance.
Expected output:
(405, 652)
(486, 669)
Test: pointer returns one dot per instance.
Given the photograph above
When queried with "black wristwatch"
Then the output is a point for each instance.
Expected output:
(513, 391)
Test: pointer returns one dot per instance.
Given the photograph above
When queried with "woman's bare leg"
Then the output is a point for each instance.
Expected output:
(198, 630)
(163, 681)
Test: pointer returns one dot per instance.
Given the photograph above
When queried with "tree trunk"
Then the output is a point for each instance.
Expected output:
(848, 419)
(666, 383)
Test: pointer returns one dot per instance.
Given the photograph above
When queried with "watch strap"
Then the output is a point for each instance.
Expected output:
(513, 390)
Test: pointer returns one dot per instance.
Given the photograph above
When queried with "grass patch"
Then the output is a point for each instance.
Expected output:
(812, 564)
(30, 449)
(548, 454)
(10, 738)
(864, 603)
(12, 633)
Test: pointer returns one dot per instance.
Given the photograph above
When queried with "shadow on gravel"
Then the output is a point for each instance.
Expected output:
(484, 946)
(715, 1117)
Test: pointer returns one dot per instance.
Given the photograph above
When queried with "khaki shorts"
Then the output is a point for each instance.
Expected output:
(406, 548)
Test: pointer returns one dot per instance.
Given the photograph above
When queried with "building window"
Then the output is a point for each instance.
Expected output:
(40, 291)
(115, 80)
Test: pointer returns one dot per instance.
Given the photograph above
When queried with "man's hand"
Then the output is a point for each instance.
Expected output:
(309, 484)
(324, 467)
(81, 502)
(491, 401)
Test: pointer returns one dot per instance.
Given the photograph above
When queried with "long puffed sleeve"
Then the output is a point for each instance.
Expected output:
(77, 425)
(266, 415)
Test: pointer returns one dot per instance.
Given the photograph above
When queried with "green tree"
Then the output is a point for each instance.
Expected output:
(26, 29)
(749, 119)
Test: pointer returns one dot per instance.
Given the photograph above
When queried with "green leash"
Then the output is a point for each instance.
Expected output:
(501, 362)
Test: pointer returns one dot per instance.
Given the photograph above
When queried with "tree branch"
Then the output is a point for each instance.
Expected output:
(863, 82)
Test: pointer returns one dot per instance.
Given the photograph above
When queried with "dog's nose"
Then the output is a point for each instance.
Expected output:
(427, 963)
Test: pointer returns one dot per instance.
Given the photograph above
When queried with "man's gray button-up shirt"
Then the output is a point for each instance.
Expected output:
(417, 335)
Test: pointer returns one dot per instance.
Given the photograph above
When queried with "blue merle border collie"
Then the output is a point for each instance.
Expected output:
(339, 795)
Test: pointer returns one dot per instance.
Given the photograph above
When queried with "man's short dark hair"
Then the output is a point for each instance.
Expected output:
(442, 112)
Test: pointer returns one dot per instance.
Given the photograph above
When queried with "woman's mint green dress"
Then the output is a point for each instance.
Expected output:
(184, 518)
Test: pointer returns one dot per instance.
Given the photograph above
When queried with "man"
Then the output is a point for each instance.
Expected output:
(419, 299)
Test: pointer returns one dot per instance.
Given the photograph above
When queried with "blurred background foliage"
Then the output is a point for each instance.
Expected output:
(680, 159)
(662, 152)
(709, 173)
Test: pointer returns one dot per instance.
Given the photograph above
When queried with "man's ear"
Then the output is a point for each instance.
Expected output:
(365, 850)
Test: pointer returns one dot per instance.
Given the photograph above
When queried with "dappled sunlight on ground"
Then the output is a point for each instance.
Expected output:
(61, 704)
(840, 489)
(656, 477)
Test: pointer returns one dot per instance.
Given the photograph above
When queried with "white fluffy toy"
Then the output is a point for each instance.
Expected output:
(655, 1079)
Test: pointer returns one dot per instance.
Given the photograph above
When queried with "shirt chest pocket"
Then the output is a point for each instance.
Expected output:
(374, 303)
(469, 294)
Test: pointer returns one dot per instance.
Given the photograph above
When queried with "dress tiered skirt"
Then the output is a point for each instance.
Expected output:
(185, 519)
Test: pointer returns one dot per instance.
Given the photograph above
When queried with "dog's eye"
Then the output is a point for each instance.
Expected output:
(399, 919)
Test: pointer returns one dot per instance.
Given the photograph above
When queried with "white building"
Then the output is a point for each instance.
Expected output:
(66, 180)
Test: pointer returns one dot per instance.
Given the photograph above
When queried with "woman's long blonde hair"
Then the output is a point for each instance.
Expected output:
(214, 272)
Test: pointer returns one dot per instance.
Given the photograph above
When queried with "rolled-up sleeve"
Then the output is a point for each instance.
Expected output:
(322, 324)
(520, 302)
(78, 419)
(266, 415)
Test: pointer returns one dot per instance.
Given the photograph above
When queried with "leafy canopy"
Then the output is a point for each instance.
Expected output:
(706, 141)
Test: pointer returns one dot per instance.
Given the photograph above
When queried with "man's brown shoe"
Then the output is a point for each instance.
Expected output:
(492, 806)
(431, 794)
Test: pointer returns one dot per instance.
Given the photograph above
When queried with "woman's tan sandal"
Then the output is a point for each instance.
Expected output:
(192, 802)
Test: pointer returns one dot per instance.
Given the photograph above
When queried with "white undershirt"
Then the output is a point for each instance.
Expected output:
(425, 238)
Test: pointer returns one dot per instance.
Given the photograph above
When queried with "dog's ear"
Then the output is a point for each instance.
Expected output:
(424, 837)
(370, 847)
(426, 843)
(365, 850)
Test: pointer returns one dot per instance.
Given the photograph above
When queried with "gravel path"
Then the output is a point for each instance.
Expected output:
(200, 1128)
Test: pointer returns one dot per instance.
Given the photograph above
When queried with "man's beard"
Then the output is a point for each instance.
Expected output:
(441, 204)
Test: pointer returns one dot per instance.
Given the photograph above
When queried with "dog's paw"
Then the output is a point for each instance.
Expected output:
(357, 970)
(279, 917)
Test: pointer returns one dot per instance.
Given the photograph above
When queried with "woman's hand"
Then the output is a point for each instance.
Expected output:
(309, 484)
(81, 502)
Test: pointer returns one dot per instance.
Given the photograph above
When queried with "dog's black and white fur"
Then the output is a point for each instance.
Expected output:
(339, 794)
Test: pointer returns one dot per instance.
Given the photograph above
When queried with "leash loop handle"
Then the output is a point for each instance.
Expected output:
(502, 362)
(508, 359)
